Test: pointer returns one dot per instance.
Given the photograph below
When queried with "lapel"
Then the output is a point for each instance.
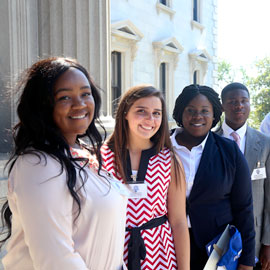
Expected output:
(252, 148)
(219, 132)
(209, 152)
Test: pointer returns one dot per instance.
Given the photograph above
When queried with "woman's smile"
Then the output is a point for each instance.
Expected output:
(74, 104)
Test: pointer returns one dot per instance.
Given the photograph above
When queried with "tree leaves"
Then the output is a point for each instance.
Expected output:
(258, 85)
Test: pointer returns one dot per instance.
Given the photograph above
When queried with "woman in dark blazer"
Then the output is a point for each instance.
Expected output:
(217, 176)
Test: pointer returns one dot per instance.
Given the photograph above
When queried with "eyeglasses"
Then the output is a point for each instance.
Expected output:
(203, 112)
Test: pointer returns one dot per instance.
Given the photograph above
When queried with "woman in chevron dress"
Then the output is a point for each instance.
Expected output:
(139, 153)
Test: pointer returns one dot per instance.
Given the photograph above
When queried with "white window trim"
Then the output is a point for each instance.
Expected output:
(197, 24)
(169, 3)
(167, 51)
(125, 36)
(199, 60)
(165, 8)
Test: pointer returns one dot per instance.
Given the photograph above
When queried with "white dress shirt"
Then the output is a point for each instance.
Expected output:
(241, 132)
(190, 159)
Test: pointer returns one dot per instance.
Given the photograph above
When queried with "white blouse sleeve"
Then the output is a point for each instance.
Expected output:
(44, 207)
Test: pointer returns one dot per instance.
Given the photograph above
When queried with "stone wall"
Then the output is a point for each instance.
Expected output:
(33, 29)
(157, 24)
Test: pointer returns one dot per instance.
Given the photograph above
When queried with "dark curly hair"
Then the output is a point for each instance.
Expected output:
(190, 92)
(36, 131)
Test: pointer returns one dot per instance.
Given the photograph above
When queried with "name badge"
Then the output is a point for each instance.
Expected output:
(258, 173)
(138, 191)
(115, 183)
(120, 188)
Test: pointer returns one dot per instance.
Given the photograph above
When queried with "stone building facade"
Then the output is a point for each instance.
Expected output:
(166, 43)
(34, 29)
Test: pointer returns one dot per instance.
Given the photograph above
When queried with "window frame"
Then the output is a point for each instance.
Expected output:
(196, 21)
(199, 60)
(124, 38)
(167, 51)
(196, 76)
(163, 78)
(165, 8)
(196, 10)
(116, 77)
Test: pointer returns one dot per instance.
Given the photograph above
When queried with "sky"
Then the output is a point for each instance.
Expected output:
(243, 31)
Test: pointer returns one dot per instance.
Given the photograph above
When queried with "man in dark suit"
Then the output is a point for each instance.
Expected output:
(256, 148)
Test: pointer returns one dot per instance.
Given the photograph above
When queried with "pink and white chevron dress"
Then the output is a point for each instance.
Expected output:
(160, 252)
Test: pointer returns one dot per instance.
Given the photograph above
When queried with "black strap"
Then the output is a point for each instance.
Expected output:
(145, 156)
(136, 247)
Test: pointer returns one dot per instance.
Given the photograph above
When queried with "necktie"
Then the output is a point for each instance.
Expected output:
(236, 137)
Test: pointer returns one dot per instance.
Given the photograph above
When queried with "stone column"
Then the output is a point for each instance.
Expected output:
(32, 29)
(78, 29)
(18, 49)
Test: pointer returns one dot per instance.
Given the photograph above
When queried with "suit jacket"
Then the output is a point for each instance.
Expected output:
(221, 195)
(257, 153)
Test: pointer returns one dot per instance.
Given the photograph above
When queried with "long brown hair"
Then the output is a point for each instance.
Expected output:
(118, 141)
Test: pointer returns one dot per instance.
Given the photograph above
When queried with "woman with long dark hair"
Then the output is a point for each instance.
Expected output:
(66, 212)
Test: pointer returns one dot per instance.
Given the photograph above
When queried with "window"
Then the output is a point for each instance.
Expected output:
(195, 11)
(165, 6)
(125, 37)
(164, 2)
(162, 79)
(116, 80)
(196, 21)
(166, 59)
(199, 60)
(195, 77)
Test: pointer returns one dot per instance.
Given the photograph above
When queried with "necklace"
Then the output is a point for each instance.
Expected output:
(134, 177)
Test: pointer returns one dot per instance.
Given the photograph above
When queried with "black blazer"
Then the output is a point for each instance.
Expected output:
(221, 195)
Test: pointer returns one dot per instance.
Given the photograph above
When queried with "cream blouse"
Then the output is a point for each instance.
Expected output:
(45, 232)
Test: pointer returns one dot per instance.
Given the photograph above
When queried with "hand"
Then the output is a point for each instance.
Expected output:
(265, 257)
(244, 267)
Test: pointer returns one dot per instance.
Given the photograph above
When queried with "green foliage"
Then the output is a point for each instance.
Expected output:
(244, 75)
(228, 74)
(260, 91)
(262, 103)
(258, 85)
(225, 72)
